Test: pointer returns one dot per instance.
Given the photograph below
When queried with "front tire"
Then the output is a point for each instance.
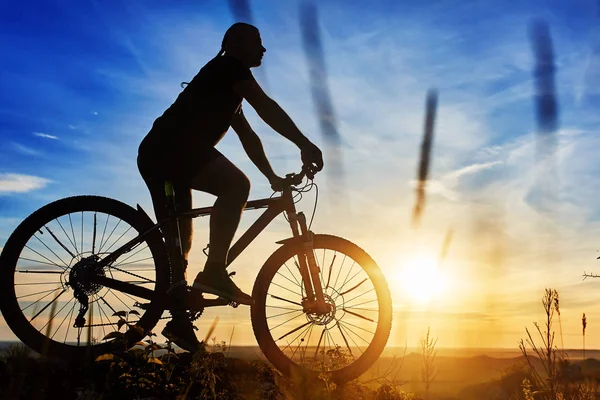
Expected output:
(344, 343)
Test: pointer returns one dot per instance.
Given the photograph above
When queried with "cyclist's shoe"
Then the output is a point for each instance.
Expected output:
(218, 282)
(181, 331)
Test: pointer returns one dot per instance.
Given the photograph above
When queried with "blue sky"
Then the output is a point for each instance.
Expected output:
(82, 81)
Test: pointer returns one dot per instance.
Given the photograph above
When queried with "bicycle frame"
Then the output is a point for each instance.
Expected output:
(308, 267)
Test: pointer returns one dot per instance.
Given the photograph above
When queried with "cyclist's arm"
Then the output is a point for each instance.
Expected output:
(270, 111)
(252, 145)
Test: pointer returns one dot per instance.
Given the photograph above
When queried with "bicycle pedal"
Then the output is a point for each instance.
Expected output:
(234, 304)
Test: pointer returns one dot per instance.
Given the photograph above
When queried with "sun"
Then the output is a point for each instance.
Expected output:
(422, 280)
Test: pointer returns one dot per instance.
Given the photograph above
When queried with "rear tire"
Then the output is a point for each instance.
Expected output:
(345, 359)
(51, 264)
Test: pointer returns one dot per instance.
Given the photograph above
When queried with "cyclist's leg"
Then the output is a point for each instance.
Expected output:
(183, 197)
(224, 180)
(220, 177)
(180, 329)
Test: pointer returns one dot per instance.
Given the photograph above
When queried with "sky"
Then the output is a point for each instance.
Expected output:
(81, 83)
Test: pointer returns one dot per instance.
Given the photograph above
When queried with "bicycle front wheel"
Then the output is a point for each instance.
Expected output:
(45, 268)
(344, 342)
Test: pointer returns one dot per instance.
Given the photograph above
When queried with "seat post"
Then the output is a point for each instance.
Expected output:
(173, 240)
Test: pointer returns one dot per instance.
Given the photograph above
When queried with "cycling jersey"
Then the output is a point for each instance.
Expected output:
(182, 140)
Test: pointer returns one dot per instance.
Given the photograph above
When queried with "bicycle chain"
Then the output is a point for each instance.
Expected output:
(131, 273)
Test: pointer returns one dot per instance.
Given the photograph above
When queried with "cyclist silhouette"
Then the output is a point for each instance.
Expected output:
(180, 148)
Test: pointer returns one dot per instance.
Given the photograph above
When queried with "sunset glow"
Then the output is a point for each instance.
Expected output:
(422, 279)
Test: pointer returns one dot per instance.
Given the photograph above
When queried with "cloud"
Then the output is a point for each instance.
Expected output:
(25, 150)
(45, 135)
(447, 184)
(17, 183)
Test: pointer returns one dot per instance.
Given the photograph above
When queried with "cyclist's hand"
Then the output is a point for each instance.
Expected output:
(276, 183)
(312, 159)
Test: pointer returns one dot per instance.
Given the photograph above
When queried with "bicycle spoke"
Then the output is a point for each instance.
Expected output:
(283, 308)
(319, 344)
(73, 233)
(103, 232)
(347, 275)
(117, 241)
(55, 314)
(108, 318)
(69, 324)
(344, 337)
(109, 235)
(47, 305)
(132, 262)
(66, 234)
(307, 342)
(350, 280)
(363, 309)
(38, 300)
(51, 251)
(353, 341)
(38, 272)
(285, 277)
(362, 294)
(46, 258)
(299, 342)
(59, 242)
(358, 315)
(129, 296)
(349, 290)
(285, 322)
(360, 304)
(330, 267)
(284, 313)
(41, 262)
(331, 340)
(339, 272)
(295, 329)
(94, 236)
(82, 232)
(35, 283)
(65, 318)
(134, 254)
(282, 299)
(292, 274)
(284, 288)
(33, 294)
(101, 319)
(106, 302)
(118, 298)
(356, 326)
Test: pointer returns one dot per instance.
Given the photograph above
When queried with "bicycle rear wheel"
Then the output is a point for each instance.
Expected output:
(44, 271)
(345, 342)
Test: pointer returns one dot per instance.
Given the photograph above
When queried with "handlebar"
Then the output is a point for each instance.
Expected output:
(294, 179)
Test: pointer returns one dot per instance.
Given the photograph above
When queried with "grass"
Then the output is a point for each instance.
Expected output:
(149, 370)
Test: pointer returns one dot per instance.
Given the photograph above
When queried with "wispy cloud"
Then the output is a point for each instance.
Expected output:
(17, 183)
(25, 149)
(45, 135)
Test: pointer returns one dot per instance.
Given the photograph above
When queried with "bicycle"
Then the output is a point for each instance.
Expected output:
(301, 288)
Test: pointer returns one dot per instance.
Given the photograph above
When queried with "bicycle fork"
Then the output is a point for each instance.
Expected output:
(307, 264)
